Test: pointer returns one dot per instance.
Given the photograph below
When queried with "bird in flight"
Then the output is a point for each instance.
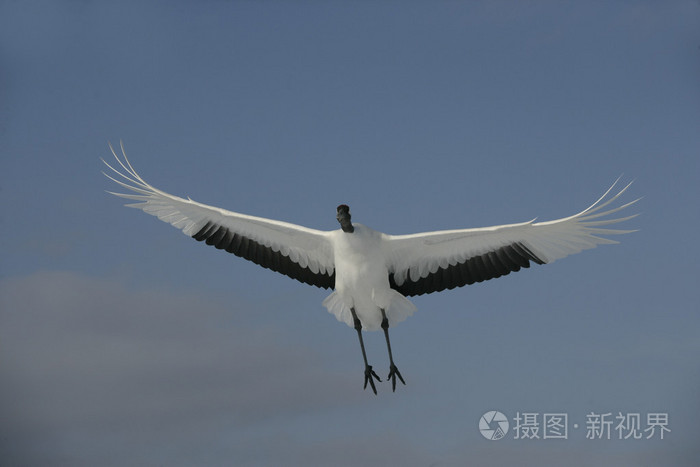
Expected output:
(371, 272)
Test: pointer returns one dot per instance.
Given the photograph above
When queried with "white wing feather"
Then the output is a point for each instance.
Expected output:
(307, 247)
(419, 255)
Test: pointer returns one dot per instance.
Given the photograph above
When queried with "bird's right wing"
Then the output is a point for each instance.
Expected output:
(433, 261)
(299, 252)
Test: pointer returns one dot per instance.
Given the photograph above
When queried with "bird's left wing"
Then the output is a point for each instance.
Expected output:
(301, 253)
(434, 261)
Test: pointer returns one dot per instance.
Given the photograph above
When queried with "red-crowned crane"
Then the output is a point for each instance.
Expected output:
(373, 272)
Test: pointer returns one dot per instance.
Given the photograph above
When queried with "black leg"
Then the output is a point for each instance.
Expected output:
(369, 373)
(393, 371)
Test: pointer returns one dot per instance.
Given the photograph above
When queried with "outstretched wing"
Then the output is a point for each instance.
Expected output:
(301, 253)
(434, 261)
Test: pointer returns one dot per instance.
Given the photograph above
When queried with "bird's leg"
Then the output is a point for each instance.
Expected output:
(393, 371)
(369, 373)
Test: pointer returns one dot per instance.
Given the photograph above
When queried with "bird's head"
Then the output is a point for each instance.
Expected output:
(343, 217)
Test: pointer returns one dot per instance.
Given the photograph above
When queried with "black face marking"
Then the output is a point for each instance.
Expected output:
(344, 218)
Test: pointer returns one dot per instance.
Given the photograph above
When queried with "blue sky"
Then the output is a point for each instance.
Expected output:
(123, 342)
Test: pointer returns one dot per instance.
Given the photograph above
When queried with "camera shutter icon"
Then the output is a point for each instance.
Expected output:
(493, 425)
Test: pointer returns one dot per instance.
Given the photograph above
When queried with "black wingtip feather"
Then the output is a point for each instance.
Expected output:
(247, 248)
(490, 265)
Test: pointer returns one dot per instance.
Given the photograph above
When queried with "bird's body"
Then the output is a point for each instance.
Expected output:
(373, 272)
(362, 280)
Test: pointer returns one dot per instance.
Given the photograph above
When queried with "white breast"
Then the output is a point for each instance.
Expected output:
(359, 261)
(362, 280)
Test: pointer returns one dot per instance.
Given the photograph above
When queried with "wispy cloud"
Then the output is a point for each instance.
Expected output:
(87, 362)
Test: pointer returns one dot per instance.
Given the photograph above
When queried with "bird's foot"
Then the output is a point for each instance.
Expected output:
(369, 378)
(393, 373)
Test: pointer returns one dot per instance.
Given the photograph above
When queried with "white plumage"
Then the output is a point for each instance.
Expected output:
(372, 272)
